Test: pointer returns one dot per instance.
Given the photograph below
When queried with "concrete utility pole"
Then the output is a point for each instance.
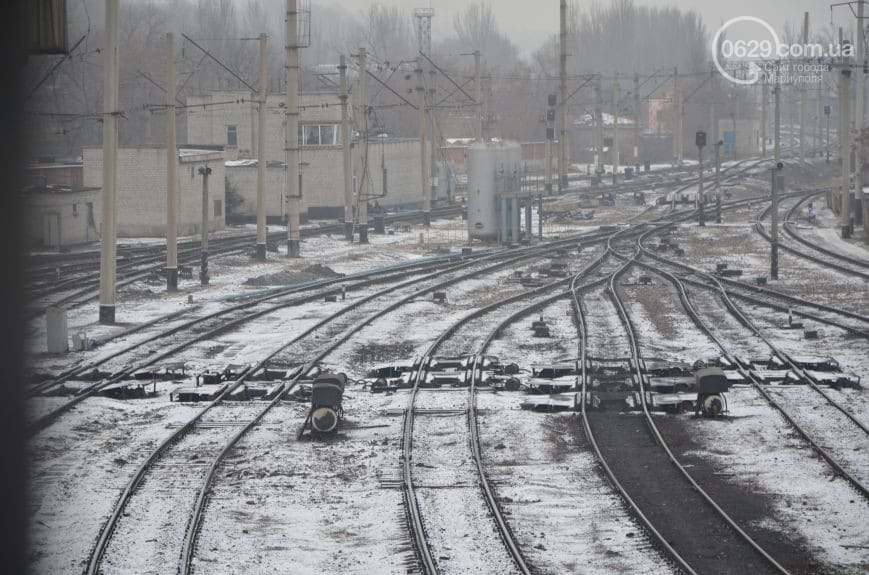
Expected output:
(423, 157)
(562, 72)
(171, 171)
(364, 177)
(345, 148)
(777, 118)
(637, 122)
(763, 115)
(292, 138)
(615, 150)
(776, 180)
(861, 116)
(718, 144)
(713, 106)
(677, 120)
(478, 98)
(777, 186)
(551, 101)
(701, 198)
(434, 145)
(108, 247)
(819, 115)
(262, 160)
(598, 128)
(803, 95)
(845, 143)
(204, 171)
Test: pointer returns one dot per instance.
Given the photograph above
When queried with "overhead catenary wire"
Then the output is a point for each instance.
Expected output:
(219, 63)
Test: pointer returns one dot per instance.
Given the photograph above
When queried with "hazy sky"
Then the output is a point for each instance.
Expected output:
(529, 22)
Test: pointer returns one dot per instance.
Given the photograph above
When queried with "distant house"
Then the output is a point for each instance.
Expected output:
(141, 189)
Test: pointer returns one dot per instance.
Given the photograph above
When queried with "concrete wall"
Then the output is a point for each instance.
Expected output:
(61, 218)
(323, 180)
(141, 191)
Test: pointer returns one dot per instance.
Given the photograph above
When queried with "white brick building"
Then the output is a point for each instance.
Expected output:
(141, 189)
(58, 216)
(230, 119)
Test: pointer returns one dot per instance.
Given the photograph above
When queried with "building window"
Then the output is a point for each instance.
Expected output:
(232, 136)
(218, 208)
(75, 210)
(320, 134)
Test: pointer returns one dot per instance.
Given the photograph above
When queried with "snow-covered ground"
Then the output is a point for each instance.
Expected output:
(334, 504)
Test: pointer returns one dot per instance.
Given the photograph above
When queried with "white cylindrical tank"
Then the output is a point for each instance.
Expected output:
(493, 168)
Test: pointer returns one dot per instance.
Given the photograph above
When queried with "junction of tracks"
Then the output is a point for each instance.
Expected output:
(171, 443)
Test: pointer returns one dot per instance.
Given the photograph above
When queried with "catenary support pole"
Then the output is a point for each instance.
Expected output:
(434, 144)
(764, 120)
(562, 125)
(550, 136)
(171, 171)
(425, 191)
(777, 185)
(701, 198)
(364, 175)
(345, 150)
(677, 120)
(637, 122)
(860, 119)
(718, 144)
(262, 159)
(292, 133)
(615, 112)
(803, 95)
(110, 160)
(598, 127)
(773, 272)
(845, 144)
(478, 98)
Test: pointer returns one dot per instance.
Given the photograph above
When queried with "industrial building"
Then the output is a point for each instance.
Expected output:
(59, 215)
(228, 119)
(741, 137)
(141, 189)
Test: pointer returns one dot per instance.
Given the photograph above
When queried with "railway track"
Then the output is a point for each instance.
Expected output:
(856, 432)
(721, 536)
(829, 259)
(842, 417)
(335, 336)
(144, 262)
(222, 323)
(140, 263)
(214, 428)
(776, 299)
(791, 230)
(711, 282)
(411, 473)
(201, 329)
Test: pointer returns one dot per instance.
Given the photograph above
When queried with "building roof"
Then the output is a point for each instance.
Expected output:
(56, 190)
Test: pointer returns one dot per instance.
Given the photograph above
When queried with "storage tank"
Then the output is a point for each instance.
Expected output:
(493, 168)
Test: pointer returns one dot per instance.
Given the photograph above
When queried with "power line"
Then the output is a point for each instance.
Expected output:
(219, 63)
(388, 87)
(55, 67)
